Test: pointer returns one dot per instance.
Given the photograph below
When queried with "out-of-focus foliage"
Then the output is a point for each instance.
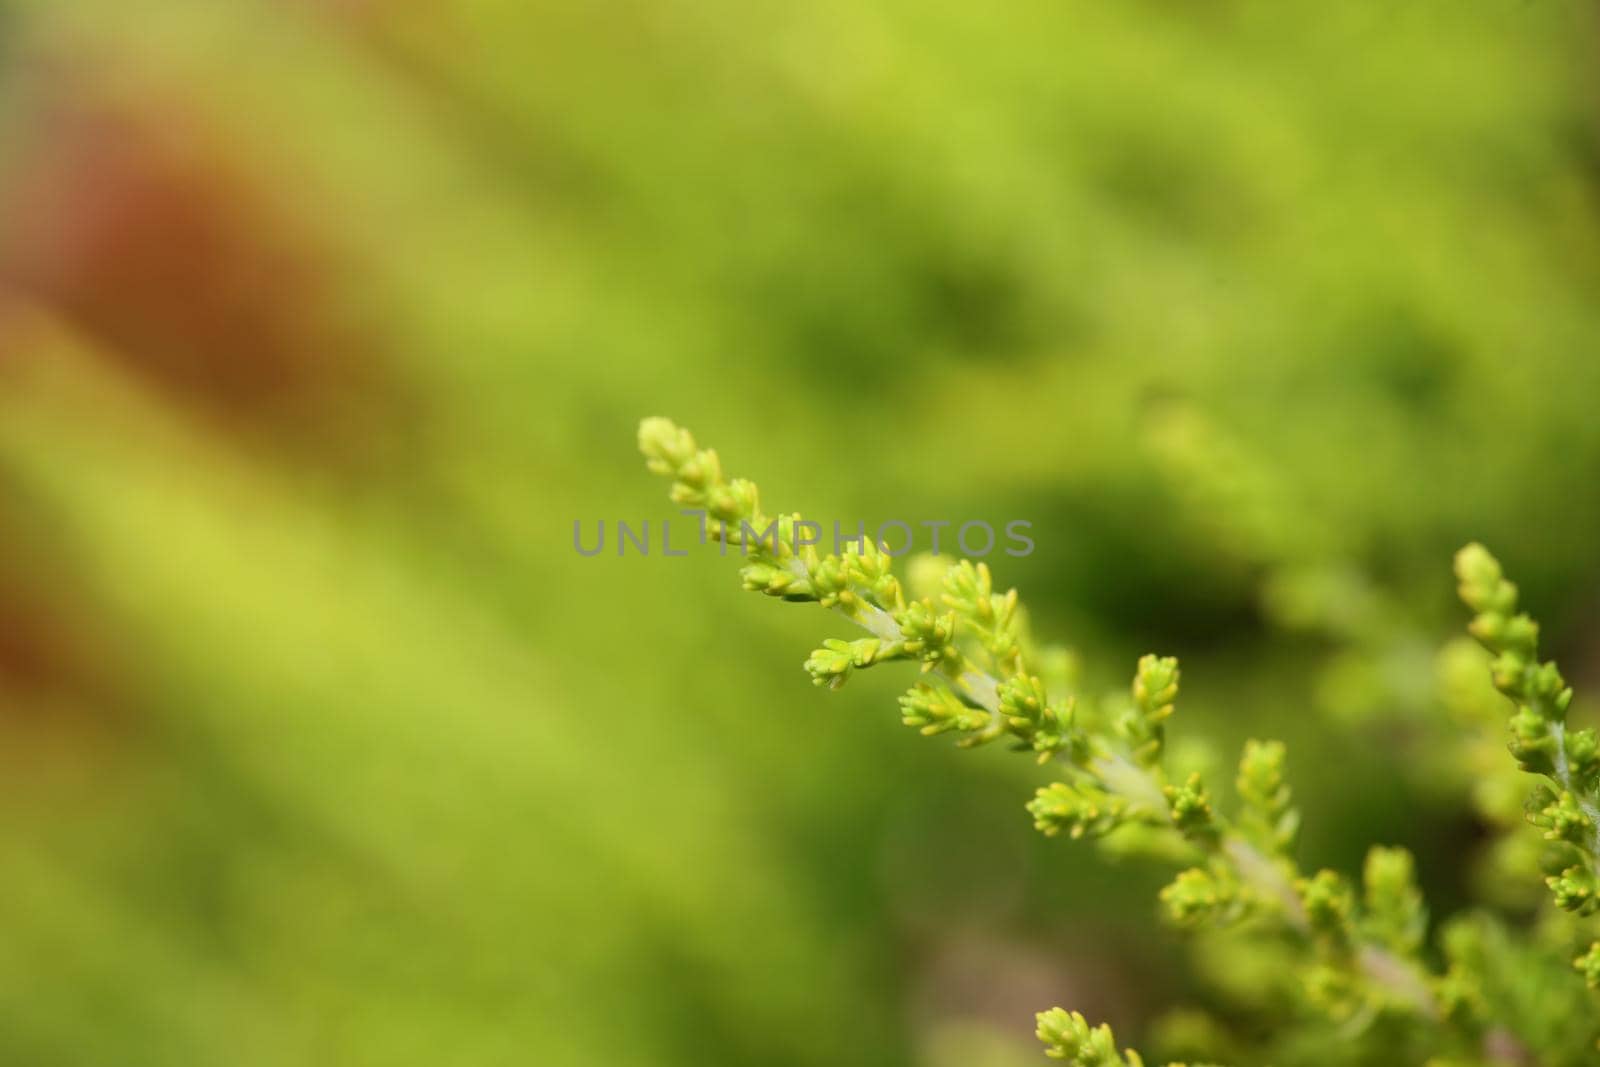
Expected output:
(321, 321)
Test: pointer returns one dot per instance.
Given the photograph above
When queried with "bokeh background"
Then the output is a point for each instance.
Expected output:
(322, 321)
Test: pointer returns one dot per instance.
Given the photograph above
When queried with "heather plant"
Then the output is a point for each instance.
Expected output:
(1354, 970)
(1377, 667)
(338, 302)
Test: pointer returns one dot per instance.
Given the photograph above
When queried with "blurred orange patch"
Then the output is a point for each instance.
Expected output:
(135, 225)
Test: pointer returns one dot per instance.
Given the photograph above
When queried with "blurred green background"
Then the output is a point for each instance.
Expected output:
(321, 321)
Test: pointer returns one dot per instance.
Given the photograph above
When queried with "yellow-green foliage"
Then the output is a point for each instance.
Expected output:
(1259, 308)
(1355, 957)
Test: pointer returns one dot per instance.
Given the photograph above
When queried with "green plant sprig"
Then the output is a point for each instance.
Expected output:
(1068, 1036)
(1565, 802)
(1360, 956)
